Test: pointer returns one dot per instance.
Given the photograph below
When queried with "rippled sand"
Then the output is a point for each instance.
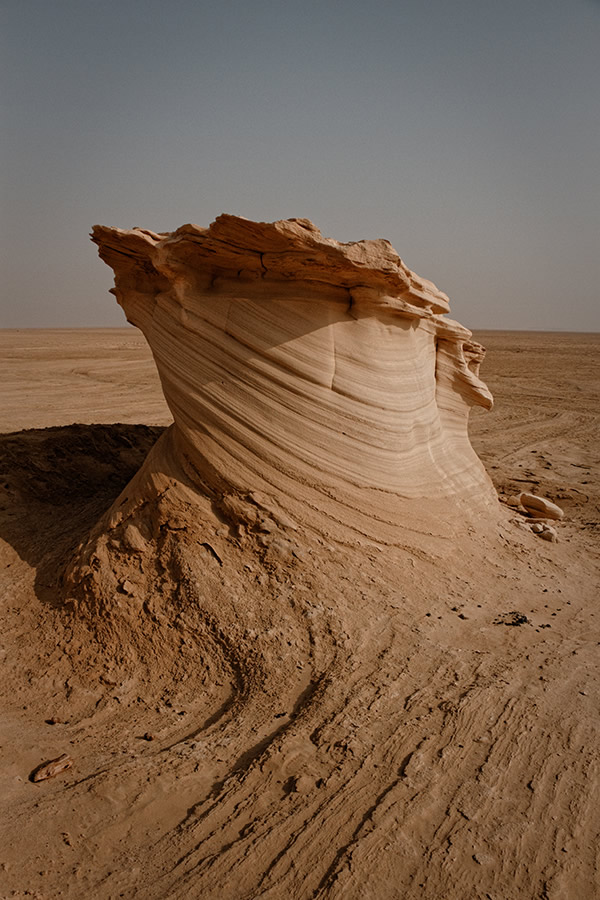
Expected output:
(398, 740)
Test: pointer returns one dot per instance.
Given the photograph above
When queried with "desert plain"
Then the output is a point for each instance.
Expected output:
(424, 726)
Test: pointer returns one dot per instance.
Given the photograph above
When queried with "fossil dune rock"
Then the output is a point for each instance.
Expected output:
(312, 383)
(319, 394)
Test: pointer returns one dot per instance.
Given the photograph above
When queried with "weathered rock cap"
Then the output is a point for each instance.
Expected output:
(287, 250)
(539, 505)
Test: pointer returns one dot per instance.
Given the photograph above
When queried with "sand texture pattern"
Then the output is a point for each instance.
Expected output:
(258, 701)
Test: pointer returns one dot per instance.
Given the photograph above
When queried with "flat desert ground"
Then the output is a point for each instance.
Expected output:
(434, 748)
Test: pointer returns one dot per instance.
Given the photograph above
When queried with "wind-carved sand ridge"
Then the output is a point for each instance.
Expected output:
(323, 376)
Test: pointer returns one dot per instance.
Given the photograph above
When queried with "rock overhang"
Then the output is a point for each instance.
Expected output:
(324, 374)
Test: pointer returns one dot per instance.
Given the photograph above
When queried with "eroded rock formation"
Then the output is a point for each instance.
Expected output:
(270, 569)
(324, 376)
(317, 389)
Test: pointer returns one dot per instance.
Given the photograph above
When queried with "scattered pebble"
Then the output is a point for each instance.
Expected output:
(303, 784)
(549, 534)
(148, 736)
(51, 768)
(133, 539)
(212, 552)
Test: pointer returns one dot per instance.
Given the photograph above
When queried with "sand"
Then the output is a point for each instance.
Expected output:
(397, 731)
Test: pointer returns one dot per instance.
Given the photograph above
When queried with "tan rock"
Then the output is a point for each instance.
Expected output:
(303, 784)
(319, 376)
(539, 506)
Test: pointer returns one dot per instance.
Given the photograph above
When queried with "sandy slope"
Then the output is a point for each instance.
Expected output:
(380, 734)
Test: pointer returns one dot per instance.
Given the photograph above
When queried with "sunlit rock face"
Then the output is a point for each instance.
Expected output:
(319, 380)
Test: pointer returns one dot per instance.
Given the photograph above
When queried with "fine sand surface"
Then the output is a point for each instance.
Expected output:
(403, 737)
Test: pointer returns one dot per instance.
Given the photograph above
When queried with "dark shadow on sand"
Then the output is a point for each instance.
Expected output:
(55, 483)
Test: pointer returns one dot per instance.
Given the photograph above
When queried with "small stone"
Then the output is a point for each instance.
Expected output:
(133, 539)
(549, 534)
(539, 505)
(265, 524)
(127, 587)
(53, 720)
(512, 618)
(537, 528)
(148, 736)
(570, 494)
(303, 784)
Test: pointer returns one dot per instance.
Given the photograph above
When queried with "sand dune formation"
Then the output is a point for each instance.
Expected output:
(304, 651)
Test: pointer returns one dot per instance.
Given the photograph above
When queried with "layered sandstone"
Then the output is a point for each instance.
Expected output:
(312, 383)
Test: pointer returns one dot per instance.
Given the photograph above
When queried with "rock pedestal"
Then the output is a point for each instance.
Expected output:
(317, 382)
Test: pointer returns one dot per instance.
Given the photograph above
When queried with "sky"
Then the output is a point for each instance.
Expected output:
(465, 132)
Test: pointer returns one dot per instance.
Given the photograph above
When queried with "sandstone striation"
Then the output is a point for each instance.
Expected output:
(311, 382)
(319, 394)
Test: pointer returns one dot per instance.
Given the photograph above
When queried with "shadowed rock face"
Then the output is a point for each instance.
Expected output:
(318, 381)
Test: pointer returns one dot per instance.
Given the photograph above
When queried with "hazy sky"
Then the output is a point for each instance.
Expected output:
(467, 132)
